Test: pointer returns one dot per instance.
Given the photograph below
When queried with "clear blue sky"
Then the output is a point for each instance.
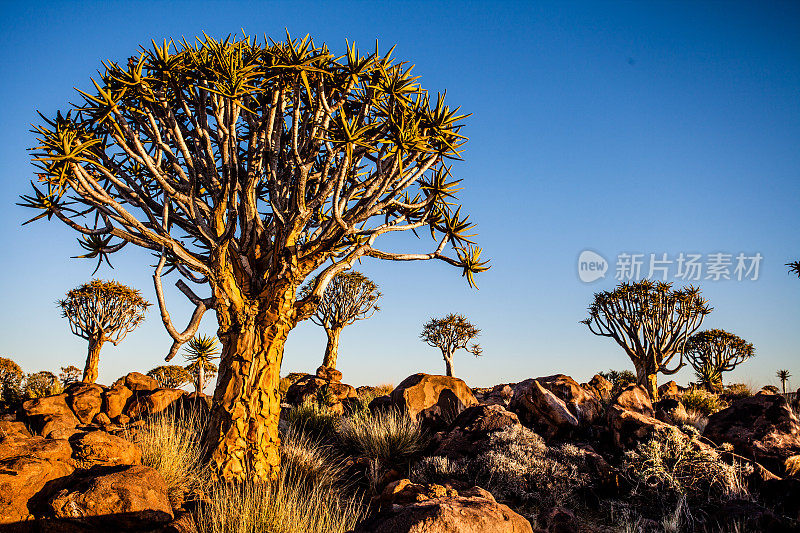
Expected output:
(640, 127)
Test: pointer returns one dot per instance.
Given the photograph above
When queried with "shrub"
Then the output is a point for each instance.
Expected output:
(672, 465)
(735, 391)
(287, 506)
(170, 443)
(517, 467)
(704, 402)
(389, 435)
(315, 420)
(619, 379)
(694, 419)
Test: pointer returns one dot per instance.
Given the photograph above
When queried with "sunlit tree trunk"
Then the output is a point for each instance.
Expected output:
(92, 360)
(646, 376)
(332, 349)
(448, 363)
(242, 435)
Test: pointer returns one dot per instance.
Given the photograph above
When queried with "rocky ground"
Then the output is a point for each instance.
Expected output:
(545, 454)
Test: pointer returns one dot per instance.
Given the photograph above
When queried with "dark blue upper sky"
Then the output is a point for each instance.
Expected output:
(637, 127)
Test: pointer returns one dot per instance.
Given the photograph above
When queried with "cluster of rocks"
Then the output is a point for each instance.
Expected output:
(83, 406)
(325, 387)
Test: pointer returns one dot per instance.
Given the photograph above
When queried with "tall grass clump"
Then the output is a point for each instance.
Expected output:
(306, 461)
(704, 402)
(289, 505)
(389, 435)
(171, 444)
(314, 420)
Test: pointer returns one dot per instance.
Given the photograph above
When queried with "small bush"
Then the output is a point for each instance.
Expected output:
(704, 402)
(671, 465)
(170, 443)
(519, 468)
(389, 435)
(736, 391)
(694, 419)
(315, 420)
(619, 379)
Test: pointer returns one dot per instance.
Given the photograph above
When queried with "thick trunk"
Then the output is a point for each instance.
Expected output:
(242, 436)
(332, 349)
(647, 378)
(448, 365)
(92, 361)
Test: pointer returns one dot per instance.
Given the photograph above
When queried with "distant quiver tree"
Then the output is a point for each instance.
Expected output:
(249, 167)
(102, 311)
(713, 352)
(350, 296)
(200, 352)
(449, 334)
(652, 322)
(170, 376)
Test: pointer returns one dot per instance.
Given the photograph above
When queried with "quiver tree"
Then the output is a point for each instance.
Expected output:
(783, 375)
(248, 167)
(102, 311)
(713, 352)
(170, 376)
(794, 267)
(449, 334)
(350, 296)
(200, 352)
(651, 322)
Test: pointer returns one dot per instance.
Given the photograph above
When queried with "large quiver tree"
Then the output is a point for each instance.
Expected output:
(713, 352)
(350, 296)
(651, 322)
(247, 167)
(102, 311)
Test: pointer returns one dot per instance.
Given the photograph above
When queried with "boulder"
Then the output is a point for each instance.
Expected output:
(635, 398)
(668, 390)
(115, 399)
(469, 432)
(101, 419)
(762, 427)
(584, 405)
(101, 448)
(13, 430)
(600, 386)
(671, 411)
(85, 399)
(541, 410)
(155, 402)
(499, 395)
(438, 509)
(120, 497)
(309, 387)
(50, 415)
(329, 374)
(560, 520)
(433, 400)
(138, 382)
(27, 465)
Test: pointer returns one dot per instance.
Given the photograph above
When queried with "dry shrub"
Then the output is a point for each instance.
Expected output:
(390, 435)
(693, 418)
(702, 401)
(519, 468)
(171, 443)
(673, 465)
(736, 391)
(314, 420)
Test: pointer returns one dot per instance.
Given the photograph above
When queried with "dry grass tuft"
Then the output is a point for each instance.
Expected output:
(171, 444)
(306, 461)
(389, 435)
(315, 420)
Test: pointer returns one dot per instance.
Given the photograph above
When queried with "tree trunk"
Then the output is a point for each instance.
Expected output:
(242, 436)
(332, 349)
(92, 361)
(201, 378)
(648, 379)
(448, 365)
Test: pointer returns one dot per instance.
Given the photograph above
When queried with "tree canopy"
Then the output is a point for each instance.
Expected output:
(449, 334)
(715, 351)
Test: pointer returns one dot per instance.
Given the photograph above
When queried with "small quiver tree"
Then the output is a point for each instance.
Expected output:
(250, 167)
(11, 376)
(713, 352)
(449, 334)
(200, 352)
(170, 376)
(350, 296)
(651, 322)
(794, 267)
(783, 375)
(101, 311)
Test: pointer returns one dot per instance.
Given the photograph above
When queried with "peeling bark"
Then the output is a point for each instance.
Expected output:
(332, 348)
(92, 361)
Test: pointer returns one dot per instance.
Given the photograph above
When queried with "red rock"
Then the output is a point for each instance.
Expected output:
(469, 432)
(125, 497)
(541, 410)
(584, 405)
(635, 398)
(156, 402)
(115, 399)
(139, 382)
(329, 374)
(51, 416)
(671, 411)
(85, 399)
(99, 447)
(668, 389)
(600, 386)
(433, 400)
